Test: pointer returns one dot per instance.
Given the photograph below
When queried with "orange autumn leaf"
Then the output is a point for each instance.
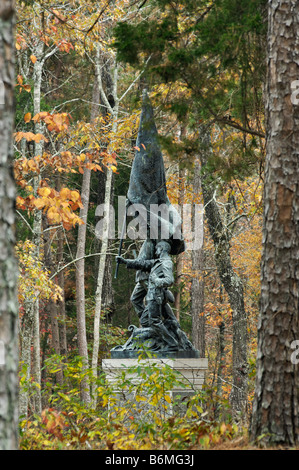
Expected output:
(29, 136)
(20, 79)
(27, 117)
(40, 116)
(20, 202)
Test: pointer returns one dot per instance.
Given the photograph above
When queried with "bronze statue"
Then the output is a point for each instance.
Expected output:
(159, 330)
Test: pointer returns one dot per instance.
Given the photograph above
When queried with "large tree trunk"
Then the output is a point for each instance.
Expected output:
(233, 286)
(8, 264)
(276, 402)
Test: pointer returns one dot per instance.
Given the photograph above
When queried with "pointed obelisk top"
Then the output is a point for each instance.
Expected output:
(147, 181)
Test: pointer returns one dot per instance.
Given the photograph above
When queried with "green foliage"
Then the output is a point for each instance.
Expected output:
(138, 416)
(216, 51)
(131, 39)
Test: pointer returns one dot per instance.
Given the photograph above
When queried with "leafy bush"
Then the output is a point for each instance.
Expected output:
(138, 412)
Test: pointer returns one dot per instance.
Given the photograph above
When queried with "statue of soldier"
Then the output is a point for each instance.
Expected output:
(160, 277)
(147, 252)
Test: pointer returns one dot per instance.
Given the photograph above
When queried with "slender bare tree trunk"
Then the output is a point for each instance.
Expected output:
(233, 286)
(41, 56)
(51, 306)
(80, 265)
(26, 329)
(80, 282)
(197, 284)
(180, 257)
(37, 223)
(276, 403)
(60, 277)
(8, 264)
(100, 283)
(108, 304)
(105, 236)
(221, 357)
(30, 321)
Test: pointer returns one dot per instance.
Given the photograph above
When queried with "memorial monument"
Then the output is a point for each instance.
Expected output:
(159, 330)
(159, 333)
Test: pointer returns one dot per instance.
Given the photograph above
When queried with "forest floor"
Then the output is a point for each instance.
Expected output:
(242, 443)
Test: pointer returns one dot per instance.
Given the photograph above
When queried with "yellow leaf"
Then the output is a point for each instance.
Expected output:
(33, 59)
(54, 215)
(39, 203)
(65, 193)
(75, 196)
(45, 192)
(222, 428)
(167, 398)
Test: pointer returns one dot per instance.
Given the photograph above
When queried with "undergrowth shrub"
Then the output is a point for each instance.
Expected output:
(138, 412)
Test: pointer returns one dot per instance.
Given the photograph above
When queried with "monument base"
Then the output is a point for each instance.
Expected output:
(136, 371)
(131, 354)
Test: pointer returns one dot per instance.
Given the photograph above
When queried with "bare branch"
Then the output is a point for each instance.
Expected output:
(77, 259)
(26, 221)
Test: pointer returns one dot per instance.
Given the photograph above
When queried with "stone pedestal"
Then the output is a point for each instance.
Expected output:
(191, 375)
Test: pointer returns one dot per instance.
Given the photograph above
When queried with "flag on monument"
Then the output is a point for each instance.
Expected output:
(148, 183)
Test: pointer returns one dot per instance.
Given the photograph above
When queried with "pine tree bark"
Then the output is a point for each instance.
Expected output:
(8, 264)
(276, 403)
